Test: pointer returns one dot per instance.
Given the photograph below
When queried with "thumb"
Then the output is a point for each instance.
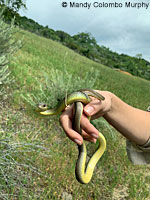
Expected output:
(92, 108)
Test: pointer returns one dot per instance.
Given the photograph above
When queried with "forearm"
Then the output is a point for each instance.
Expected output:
(133, 123)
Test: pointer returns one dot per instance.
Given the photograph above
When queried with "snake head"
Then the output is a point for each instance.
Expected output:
(41, 107)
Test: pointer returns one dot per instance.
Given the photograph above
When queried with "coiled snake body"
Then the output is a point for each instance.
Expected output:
(83, 173)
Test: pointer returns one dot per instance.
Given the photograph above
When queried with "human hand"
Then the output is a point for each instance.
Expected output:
(94, 109)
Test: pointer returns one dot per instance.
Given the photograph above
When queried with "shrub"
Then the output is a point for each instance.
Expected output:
(7, 46)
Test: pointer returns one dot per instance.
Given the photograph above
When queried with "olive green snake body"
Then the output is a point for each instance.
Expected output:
(83, 173)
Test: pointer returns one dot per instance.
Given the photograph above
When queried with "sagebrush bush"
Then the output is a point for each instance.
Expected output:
(57, 85)
(8, 45)
(15, 170)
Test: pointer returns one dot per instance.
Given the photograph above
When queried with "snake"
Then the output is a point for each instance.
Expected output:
(80, 98)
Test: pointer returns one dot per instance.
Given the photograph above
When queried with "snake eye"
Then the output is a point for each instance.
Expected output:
(42, 106)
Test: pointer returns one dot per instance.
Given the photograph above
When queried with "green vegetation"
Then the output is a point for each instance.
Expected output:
(7, 47)
(15, 5)
(13, 168)
(86, 45)
(44, 158)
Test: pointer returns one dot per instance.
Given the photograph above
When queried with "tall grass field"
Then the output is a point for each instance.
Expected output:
(37, 160)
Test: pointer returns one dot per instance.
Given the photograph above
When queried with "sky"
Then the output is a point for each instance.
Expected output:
(121, 29)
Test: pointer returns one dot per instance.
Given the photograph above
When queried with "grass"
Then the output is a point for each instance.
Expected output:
(44, 71)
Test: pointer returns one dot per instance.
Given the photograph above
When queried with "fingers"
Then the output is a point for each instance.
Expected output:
(89, 132)
(66, 122)
(87, 137)
(88, 128)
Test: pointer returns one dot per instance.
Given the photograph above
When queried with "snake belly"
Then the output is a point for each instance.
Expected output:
(83, 173)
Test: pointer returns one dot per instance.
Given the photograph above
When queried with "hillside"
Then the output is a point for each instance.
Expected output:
(43, 71)
(85, 44)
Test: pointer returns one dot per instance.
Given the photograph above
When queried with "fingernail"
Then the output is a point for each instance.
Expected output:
(89, 109)
(95, 135)
(94, 141)
(77, 141)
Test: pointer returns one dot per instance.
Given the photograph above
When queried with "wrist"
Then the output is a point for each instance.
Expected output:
(112, 106)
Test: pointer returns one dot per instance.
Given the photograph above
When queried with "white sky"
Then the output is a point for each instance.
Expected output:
(123, 30)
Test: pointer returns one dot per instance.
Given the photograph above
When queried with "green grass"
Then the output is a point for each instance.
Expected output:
(44, 71)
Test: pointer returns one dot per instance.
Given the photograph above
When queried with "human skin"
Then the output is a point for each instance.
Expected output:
(132, 123)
